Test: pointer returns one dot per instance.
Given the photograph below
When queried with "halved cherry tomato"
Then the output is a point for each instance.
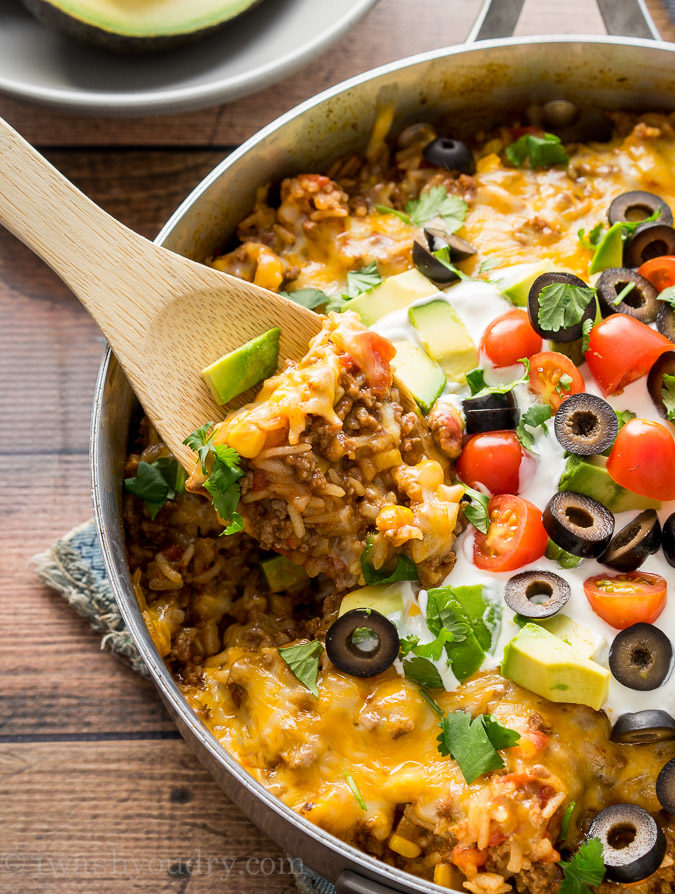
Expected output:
(516, 535)
(510, 337)
(621, 349)
(625, 599)
(492, 459)
(659, 271)
(546, 370)
(643, 459)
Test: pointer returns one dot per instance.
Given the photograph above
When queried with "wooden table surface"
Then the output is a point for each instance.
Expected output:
(97, 790)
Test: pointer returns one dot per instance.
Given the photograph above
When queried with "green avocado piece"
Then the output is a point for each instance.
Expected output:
(516, 282)
(537, 660)
(445, 337)
(580, 638)
(418, 374)
(383, 598)
(395, 293)
(239, 370)
(281, 574)
(609, 252)
(591, 478)
(128, 27)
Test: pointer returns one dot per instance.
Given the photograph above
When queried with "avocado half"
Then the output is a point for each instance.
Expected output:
(137, 26)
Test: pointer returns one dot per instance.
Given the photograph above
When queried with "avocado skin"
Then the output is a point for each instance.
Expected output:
(123, 44)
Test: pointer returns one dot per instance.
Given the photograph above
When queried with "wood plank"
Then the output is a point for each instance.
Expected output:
(125, 817)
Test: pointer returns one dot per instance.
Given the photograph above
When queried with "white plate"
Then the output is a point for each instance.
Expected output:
(272, 40)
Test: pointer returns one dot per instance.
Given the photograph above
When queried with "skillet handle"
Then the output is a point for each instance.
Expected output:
(498, 19)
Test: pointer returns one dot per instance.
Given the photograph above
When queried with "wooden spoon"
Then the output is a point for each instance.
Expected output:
(166, 317)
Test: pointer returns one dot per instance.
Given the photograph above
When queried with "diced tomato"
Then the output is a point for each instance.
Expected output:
(546, 370)
(492, 459)
(625, 599)
(621, 349)
(510, 337)
(516, 535)
(372, 354)
(468, 858)
(643, 459)
(659, 271)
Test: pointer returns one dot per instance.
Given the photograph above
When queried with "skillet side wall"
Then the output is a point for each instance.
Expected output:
(462, 89)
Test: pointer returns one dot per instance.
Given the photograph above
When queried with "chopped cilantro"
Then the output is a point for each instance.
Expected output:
(303, 660)
(474, 742)
(489, 264)
(222, 485)
(432, 650)
(362, 635)
(363, 280)
(385, 209)
(405, 568)
(624, 416)
(435, 707)
(535, 417)
(349, 779)
(585, 868)
(441, 616)
(157, 482)
(629, 226)
(200, 442)
(627, 289)
(437, 202)
(559, 555)
(562, 305)
(422, 672)
(543, 152)
(309, 298)
(668, 396)
(668, 295)
(567, 817)
(476, 512)
(476, 381)
(594, 237)
(586, 335)
(564, 384)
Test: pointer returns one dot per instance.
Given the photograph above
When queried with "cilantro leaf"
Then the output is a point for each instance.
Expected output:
(441, 616)
(437, 202)
(542, 151)
(405, 568)
(668, 295)
(594, 237)
(476, 512)
(474, 742)
(422, 672)
(586, 335)
(223, 487)
(668, 396)
(563, 384)
(349, 779)
(432, 650)
(558, 554)
(624, 416)
(562, 305)
(200, 442)
(476, 380)
(567, 817)
(309, 298)
(585, 868)
(150, 485)
(489, 264)
(629, 226)
(435, 707)
(303, 660)
(535, 417)
(361, 635)
(627, 289)
(386, 209)
(363, 280)
(443, 255)
(477, 376)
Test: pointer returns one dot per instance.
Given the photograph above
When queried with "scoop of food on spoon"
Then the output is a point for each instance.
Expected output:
(166, 317)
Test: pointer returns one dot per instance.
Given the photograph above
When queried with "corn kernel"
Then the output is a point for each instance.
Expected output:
(247, 439)
(391, 517)
(404, 846)
(388, 459)
(443, 875)
(429, 473)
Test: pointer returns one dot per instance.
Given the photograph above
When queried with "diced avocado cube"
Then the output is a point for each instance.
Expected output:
(281, 574)
(445, 338)
(395, 293)
(591, 478)
(239, 370)
(609, 252)
(537, 660)
(383, 598)
(580, 638)
(516, 282)
(418, 374)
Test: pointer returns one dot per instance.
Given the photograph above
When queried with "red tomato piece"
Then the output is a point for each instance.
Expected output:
(546, 370)
(492, 459)
(621, 349)
(372, 354)
(509, 337)
(643, 459)
(659, 271)
(625, 599)
(516, 535)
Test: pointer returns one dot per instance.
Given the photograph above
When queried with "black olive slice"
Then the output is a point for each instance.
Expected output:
(585, 424)
(629, 548)
(460, 249)
(641, 302)
(578, 524)
(536, 594)
(571, 333)
(491, 412)
(643, 727)
(432, 267)
(665, 787)
(362, 642)
(453, 155)
(640, 657)
(662, 366)
(651, 240)
(668, 539)
(633, 843)
(665, 320)
(636, 205)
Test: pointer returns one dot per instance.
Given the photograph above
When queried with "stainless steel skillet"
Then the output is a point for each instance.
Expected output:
(466, 86)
